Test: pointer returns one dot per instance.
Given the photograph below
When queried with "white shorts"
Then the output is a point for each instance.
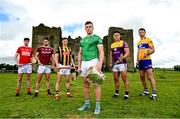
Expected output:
(119, 67)
(25, 68)
(86, 64)
(44, 69)
(65, 69)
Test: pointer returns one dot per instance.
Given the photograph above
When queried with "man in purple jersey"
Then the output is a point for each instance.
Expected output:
(44, 56)
(119, 52)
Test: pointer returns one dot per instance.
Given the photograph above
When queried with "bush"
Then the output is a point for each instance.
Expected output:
(177, 67)
(8, 66)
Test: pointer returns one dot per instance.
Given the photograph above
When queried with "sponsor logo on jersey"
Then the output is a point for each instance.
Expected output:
(25, 53)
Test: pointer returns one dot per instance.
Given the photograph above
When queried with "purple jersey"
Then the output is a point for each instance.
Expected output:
(117, 49)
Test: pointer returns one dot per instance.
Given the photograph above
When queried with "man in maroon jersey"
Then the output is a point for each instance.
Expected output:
(44, 56)
(24, 64)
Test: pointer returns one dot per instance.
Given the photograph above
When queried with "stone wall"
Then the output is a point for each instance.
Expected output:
(55, 36)
(126, 35)
(39, 32)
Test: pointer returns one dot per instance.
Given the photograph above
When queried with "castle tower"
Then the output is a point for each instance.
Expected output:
(127, 35)
(41, 31)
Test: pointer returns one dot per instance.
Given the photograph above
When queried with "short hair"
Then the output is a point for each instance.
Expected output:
(119, 34)
(26, 39)
(46, 38)
(116, 32)
(142, 29)
(88, 22)
(64, 38)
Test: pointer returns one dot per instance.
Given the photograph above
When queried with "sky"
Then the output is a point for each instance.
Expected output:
(160, 18)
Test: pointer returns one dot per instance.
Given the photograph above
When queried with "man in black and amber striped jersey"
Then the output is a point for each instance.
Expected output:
(63, 59)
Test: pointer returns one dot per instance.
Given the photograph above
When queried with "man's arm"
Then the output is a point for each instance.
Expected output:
(151, 51)
(52, 60)
(37, 57)
(127, 53)
(101, 57)
(72, 60)
(111, 59)
(79, 59)
(56, 60)
(151, 48)
(16, 58)
(137, 60)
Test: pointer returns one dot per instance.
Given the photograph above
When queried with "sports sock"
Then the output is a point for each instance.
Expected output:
(57, 92)
(68, 90)
(18, 90)
(154, 91)
(145, 90)
(87, 102)
(126, 92)
(97, 103)
(29, 90)
(48, 91)
(116, 91)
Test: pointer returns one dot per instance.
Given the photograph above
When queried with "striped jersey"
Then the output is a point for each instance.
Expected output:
(64, 55)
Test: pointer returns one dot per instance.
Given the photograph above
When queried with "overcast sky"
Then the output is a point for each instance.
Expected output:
(160, 18)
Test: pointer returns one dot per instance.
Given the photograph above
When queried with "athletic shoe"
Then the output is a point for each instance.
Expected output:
(69, 94)
(97, 110)
(144, 93)
(126, 97)
(29, 93)
(49, 93)
(17, 94)
(84, 107)
(115, 96)
(154, 97)
(56, 96)
(36, 94)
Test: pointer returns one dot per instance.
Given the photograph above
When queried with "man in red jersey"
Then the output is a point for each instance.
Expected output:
(44, 56)
(24, 64)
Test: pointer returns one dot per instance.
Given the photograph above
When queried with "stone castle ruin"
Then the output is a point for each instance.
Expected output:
(55, 36)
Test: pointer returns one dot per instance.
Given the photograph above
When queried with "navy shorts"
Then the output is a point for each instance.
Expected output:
(145, 64)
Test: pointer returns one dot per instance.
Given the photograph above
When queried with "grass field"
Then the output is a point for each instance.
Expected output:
(167, 105)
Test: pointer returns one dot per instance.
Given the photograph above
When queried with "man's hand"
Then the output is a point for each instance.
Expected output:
(99, 66)
(110, 65)
(52, 67)
(57, 68)
(38, 61)
(146, 53)
(79, 70)
(137, 63)
(121, 58)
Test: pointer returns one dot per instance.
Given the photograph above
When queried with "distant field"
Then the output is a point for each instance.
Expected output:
(167, 105)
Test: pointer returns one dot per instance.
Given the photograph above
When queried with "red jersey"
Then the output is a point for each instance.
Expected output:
(45, 54)
(25, 54)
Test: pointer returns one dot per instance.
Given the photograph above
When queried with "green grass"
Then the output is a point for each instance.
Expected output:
(167, 105)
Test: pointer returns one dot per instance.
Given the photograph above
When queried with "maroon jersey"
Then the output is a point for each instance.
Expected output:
(45, 54)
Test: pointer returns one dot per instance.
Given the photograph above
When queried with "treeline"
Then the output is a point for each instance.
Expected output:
(8, 67)
(177, 67)
(5, 66)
